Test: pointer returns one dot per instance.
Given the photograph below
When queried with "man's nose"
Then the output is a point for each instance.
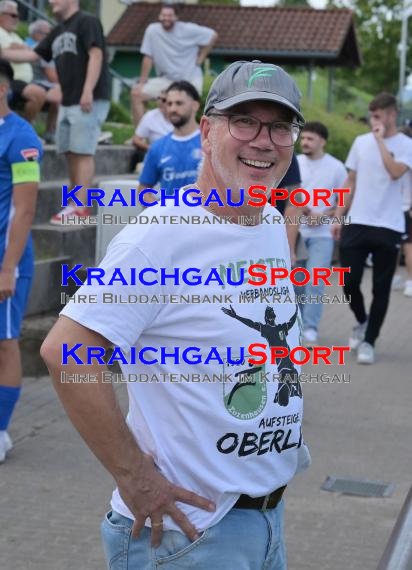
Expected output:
(263, 140)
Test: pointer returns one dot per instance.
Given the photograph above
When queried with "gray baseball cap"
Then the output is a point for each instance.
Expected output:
(253, 81)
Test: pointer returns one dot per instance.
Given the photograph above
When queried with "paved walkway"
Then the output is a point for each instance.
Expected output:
(53, 492)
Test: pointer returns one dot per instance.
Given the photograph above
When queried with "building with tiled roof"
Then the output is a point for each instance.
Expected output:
(284, 35)
(288, 36)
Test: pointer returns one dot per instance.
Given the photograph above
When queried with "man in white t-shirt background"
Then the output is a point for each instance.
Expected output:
(153, 125)
(376, 163)
(176, 50)
(318, 170)
(201, 466)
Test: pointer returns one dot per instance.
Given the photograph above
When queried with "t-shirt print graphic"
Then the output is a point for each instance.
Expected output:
(276, 335)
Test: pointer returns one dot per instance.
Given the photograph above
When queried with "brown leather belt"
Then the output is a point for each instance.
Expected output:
(261, 503)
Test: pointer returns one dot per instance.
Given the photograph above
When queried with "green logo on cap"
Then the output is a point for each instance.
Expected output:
(260, 72)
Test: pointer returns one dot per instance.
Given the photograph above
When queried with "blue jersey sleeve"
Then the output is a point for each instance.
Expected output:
(151, 172)
(24, 156)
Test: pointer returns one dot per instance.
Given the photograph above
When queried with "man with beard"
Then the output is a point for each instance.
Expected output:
(176, 50)
(173, 161)
(319, 170)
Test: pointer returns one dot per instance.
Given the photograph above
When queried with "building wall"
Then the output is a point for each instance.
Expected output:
(110, 12)
(128, 63)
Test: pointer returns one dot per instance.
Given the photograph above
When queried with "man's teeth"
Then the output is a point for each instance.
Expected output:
(256, 163)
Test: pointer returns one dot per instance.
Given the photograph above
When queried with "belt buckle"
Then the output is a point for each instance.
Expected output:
(265, 503)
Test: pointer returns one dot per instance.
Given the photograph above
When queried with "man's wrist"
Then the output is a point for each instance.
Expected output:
(338, 213)
(132, 469)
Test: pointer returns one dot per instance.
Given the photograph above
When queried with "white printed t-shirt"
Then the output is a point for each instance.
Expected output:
(174, 52)
(378, 199)
(153, 126)
(326, 172)
(204, 436)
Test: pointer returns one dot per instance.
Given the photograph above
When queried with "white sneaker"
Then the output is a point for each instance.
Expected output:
(310, 338)
(366, 353)
(396, 282)
(408, 289)
(5, 445)
(357, 336)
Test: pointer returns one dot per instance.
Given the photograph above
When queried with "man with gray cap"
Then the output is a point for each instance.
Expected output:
(211, 438)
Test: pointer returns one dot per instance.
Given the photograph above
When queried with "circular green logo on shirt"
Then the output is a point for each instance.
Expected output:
(244, 389)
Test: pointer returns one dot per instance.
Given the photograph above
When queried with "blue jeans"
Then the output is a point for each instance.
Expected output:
(320, 251)
(245, 539)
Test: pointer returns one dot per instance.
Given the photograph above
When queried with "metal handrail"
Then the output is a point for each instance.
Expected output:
(119, 77)
(398, 551)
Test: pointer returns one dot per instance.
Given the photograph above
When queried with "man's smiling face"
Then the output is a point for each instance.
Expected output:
(240, 164)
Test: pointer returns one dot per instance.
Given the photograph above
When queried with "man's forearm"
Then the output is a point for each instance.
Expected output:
(395, 169)
(93, 409)
(94, 67)
(149, 197)
(140, 143)
(349, 183)
(51, 74)
(292, 230)
(205, 50)
(25, 55)
(146, 68)
(18, 234)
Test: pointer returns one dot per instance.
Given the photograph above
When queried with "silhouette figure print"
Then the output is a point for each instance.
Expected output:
(276, 335)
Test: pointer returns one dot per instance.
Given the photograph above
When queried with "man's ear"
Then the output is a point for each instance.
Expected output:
(205, 134)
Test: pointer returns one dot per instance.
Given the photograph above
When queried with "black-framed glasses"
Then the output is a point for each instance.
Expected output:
(246, 128)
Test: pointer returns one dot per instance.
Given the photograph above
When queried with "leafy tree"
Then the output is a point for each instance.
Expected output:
(91, 6)
(378, 28)
(291, 3)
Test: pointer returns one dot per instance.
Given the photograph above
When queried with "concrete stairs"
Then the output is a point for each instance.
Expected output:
(54, 245)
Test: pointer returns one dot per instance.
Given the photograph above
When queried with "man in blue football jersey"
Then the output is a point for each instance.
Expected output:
(173, 161)
(20, 153)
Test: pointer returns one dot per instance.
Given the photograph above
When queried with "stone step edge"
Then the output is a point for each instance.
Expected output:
(57, 183)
